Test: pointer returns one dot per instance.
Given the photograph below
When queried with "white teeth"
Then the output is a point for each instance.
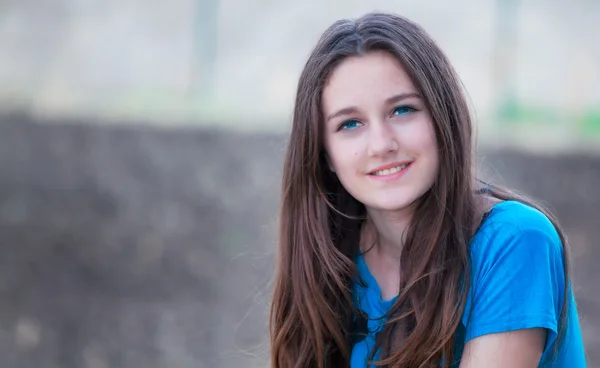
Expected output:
(390, 171)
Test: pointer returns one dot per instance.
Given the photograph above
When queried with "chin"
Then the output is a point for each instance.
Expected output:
(392, 202)
(390, 199)
(391, 206)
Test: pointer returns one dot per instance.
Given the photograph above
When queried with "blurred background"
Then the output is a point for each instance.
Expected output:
(141, 145)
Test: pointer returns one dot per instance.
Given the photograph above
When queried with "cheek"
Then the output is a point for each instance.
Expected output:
(341, 154)
(432, 150)
(424, 139)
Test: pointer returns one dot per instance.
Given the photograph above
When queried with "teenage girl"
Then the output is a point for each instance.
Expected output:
(391, 251)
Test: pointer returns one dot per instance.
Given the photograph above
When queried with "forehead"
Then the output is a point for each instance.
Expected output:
(364, 79)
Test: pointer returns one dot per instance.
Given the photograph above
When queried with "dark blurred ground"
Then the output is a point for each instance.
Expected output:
(139, 247)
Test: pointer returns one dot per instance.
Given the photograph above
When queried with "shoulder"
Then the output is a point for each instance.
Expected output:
(516, 227)
(517, 217)
(517, 273)
(516, 239)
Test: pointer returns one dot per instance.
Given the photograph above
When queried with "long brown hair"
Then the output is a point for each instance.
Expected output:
(312, 309)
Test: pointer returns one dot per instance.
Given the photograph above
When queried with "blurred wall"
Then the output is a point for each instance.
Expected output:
(136, 247)
(529, 66)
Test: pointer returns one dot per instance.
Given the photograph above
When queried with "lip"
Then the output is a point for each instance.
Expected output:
(390, 177)
(389, 166)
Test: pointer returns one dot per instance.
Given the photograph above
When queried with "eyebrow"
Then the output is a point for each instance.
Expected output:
(352, 109)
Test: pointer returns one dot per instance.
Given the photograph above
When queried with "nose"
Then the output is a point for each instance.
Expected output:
(381, 139)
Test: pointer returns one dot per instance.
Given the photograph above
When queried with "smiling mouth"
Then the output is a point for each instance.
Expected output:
(390, 171)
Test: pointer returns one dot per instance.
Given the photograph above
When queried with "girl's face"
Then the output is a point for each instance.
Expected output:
(378, 133)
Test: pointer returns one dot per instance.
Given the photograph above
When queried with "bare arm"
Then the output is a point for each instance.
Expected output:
(515, 349)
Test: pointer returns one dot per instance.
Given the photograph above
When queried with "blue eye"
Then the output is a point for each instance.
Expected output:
(402, 110)
(349, 125)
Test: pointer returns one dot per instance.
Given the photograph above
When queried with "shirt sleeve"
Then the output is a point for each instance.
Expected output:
(517, 281)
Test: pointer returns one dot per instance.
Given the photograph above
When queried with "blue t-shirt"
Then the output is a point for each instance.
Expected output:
(517, 282)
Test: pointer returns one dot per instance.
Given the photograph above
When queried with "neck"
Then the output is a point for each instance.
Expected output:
(382, 239)
(385, 232)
